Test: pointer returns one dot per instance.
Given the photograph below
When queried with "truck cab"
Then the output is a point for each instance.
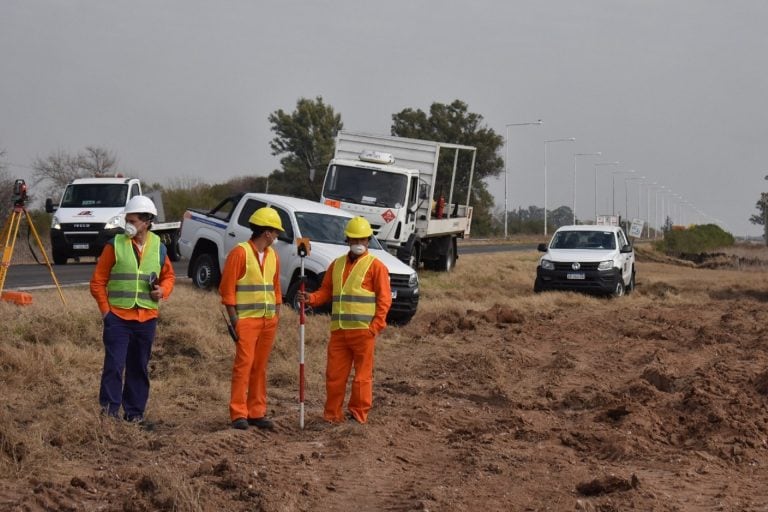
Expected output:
(388, 196)
(90, 213)
(392, 182)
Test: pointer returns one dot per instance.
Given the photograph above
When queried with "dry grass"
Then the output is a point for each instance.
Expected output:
(51, 356)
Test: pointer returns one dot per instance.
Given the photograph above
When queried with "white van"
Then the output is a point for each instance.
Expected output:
(589, 258)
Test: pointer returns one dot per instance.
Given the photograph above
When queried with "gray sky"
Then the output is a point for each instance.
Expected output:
(674, 89)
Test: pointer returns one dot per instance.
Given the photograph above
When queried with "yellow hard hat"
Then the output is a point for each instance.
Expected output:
(358, 227)
(266, 217)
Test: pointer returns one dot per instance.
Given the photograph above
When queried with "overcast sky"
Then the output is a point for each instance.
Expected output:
(676, 90)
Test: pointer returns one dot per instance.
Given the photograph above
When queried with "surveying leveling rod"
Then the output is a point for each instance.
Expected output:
(303, 250)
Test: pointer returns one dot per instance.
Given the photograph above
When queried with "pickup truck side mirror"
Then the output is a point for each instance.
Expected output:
(627, 248)
(542, 248)
(49, 206)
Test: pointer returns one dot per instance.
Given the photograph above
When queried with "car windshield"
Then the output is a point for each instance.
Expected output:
(109, 195)
(583, 240)
(326, 228)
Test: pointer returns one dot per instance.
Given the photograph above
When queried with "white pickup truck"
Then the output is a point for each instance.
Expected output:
(207, 237)
(589, 258)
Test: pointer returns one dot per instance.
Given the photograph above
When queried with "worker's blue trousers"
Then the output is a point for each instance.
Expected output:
(127, 346)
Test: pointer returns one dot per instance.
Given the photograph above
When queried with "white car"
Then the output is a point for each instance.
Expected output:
(590, 258)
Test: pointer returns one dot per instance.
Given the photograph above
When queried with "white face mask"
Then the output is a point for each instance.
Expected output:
(357, 249)
(130, 230)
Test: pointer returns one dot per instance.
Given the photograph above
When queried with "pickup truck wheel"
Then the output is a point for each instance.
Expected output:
(537, 286)
(59, 257)
(619, 290)
(631, 285)
(205, 271)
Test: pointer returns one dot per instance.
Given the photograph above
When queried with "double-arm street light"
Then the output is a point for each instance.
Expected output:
(571, 139)
(506, 166)
(598, 164)
(573, 206)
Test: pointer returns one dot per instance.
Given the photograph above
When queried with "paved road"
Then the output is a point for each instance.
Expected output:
(33, 276)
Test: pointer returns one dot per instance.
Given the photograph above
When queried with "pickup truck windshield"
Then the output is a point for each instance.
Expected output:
(365, 186)
(324, 228)
(583, 240)
(94, 194)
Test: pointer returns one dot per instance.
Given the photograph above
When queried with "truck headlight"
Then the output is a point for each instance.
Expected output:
(547, 265)
(413, 281)
(114, 222)
(605, 265)
(55, 224)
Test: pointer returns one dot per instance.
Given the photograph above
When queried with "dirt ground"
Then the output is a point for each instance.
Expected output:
(493, 398)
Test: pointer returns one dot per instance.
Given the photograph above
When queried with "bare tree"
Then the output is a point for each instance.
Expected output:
(97, 161)
(59, 168)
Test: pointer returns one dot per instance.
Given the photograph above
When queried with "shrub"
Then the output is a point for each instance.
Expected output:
(697, 239)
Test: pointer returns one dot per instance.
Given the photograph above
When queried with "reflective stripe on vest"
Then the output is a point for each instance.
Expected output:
(255, 292)
(128, 284)
(353, 307)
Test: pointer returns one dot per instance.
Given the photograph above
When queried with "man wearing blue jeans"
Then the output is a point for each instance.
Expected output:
(131, 276)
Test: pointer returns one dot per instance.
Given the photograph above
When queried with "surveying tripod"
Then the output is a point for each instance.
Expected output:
(10, 231)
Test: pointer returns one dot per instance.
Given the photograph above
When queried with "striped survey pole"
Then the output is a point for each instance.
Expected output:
(303, 250)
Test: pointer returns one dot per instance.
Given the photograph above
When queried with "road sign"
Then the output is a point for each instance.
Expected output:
(636, 229)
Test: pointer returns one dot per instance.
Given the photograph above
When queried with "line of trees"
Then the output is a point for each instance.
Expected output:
(304, 141)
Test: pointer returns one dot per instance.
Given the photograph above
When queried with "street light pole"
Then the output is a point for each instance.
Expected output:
(506, 167)
(573, 206)
(598, 164)
(648, 209)
(626, 200)
(613, 188)
(571, 139)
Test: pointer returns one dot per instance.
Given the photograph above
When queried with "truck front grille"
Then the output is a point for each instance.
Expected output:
(398, 280)
(560, 265)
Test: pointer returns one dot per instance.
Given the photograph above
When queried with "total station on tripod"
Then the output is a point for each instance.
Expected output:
(19, 196)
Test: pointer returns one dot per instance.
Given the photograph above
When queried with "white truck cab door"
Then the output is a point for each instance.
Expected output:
(626, 258)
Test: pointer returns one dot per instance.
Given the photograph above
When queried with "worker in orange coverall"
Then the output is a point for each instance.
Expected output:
(358, 285)
(250, 290)
(131, 276)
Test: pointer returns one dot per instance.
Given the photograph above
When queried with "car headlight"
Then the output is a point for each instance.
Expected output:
(605, 265)
(547, 265)
(55, 224)
(115, 222)
(413, 281)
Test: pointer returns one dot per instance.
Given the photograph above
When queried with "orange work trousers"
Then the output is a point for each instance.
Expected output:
(248, 395)
(348, 348)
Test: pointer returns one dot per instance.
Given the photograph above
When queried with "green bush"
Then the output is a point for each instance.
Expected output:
(697, 239)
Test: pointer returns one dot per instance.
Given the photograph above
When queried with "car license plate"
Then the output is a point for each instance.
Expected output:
(80, 246)
(575, 275)
(394, 294)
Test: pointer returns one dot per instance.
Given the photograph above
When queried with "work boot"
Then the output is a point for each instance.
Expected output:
(240, 424)
(262, 422)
